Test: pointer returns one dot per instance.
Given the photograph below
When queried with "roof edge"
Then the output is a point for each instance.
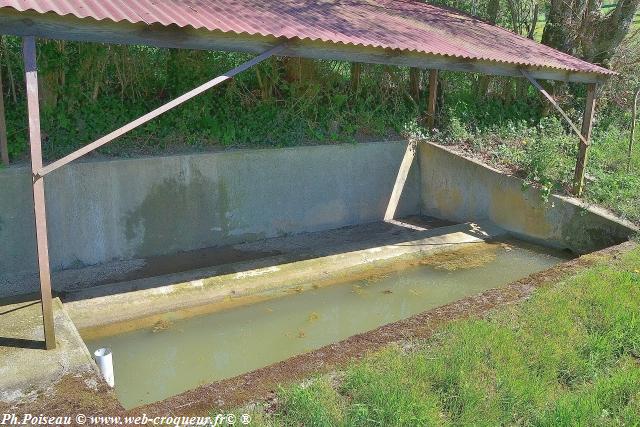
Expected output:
(71, 27)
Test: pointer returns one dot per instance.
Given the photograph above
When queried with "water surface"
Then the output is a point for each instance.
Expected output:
(156, 363)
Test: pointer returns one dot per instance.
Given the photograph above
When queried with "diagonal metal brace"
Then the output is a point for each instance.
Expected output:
(556, 105)
(159, 111)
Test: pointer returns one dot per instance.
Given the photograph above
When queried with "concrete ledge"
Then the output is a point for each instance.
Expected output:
(461, 189)
(24, 364)
(124, 276)
(131, 310)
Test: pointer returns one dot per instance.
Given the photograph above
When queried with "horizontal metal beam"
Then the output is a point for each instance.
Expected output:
(157, 112)
(556, 105)
(71, 28)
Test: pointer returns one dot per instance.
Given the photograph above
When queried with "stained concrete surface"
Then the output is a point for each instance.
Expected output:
(124, 209)
(461, 189)
(140, 303)
(73, 284)
(25, 367)
(126, 219)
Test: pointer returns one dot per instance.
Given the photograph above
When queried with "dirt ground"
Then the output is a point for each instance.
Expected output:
(72, 395)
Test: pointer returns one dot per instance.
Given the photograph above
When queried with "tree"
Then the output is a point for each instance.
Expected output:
(580, 27)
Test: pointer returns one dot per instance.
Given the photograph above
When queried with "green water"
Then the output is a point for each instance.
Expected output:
(153, 366)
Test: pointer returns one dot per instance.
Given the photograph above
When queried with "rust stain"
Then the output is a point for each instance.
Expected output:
(510, 209)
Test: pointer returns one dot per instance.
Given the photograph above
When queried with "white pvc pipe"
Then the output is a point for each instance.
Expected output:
(105, 364)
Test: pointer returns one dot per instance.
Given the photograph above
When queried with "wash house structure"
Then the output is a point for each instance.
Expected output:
(392, 32)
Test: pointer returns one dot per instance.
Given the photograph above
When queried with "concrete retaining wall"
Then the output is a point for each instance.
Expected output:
(124, 209)
(464, 190)
(132, 208)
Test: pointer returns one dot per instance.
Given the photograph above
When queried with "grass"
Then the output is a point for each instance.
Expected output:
(568, 356)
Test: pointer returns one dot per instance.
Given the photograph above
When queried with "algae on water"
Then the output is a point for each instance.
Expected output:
(468, 257)
(161, 325)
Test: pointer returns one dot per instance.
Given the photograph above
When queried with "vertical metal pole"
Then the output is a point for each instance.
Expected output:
(583, 151)
(433, 92)
(4, 149)
(31, 77)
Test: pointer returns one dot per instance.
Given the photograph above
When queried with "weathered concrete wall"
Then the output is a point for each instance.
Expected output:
(130, 208)
(464, 190)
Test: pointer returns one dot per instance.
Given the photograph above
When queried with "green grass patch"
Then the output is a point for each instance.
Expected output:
(568, 356)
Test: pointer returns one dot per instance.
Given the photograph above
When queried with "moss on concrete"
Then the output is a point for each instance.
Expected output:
(471, 256)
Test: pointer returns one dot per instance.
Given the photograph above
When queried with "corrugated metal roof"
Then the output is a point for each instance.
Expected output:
(397, 24)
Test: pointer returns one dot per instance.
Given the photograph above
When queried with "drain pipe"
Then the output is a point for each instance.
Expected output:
(105, 364)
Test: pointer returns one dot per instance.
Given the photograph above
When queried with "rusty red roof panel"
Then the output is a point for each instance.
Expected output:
(396, 24)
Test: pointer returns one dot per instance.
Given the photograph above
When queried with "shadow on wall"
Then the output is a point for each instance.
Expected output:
(127, 209)
(179, 213)
(460, 189)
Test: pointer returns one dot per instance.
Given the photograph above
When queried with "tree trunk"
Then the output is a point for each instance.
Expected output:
(558, 29)
(356, 71)
(434, 92)
(300, 69)
(414, 83)
(534, 22)
(4, 148)
(493, 7)
(12, 83)
(578, 27)
(609, 32)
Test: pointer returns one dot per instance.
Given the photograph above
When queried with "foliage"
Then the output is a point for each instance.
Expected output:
(568, 356)
(544, 156)
(87, 90)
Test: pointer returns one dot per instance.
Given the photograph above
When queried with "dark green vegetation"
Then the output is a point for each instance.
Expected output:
(88, 90)
(568, 356)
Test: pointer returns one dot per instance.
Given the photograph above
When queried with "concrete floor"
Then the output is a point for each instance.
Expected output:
(304, 261)
(82, 283)
(24, 364)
